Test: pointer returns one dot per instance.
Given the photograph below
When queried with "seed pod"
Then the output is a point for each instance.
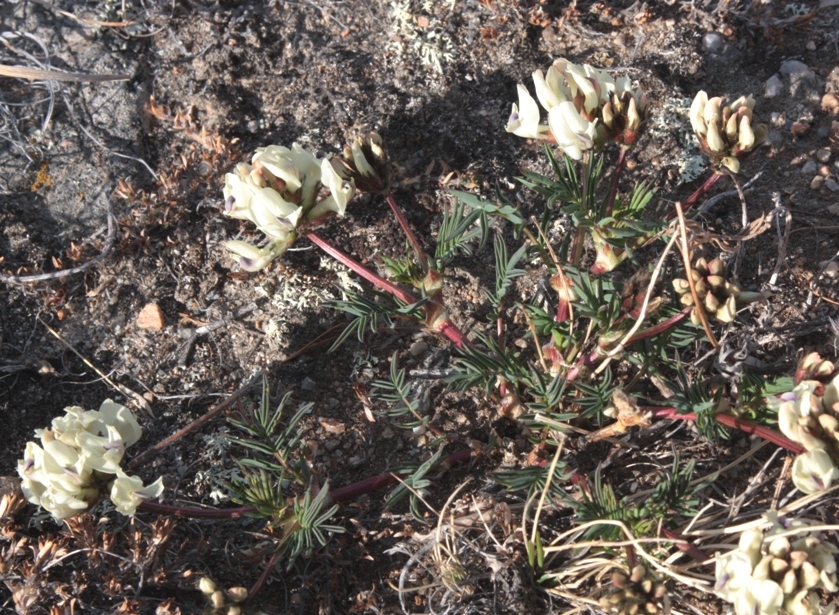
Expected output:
(638, 573)
(779, 547)
(808, 576)
(789, 583)
(761, 571)
(796, 558)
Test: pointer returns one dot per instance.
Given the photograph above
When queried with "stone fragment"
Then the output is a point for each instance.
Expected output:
(799, 129)
(834, 209)
(794, 67)
(773, 87)
(823, 155)
(151, 318)
(713, 42)
(809, 168)
(332, 426)
(816, 182)
(418, 348)
(824, 170)
(832, 185)
(830, 103)
(309, 385)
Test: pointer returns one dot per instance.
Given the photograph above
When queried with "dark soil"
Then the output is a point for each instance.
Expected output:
(436, 79)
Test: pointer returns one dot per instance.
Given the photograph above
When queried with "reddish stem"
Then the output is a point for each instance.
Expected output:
(684, 545)
(620, 164)
(698, 194)
(734, 422)
(336, 496)
(364, 272)
(406, 228)
(193, 512)
(446, 328)
(594, 356)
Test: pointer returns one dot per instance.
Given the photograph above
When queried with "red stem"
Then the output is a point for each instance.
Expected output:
(620, 164)
(364, 272)
(406, 228)
(336, 496)
(735, 423)
(693, 198)
(684, 545)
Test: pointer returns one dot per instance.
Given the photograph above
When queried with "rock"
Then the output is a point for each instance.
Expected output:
(309, 384)
(331, 445)
(823, 155)
(713, 42)
(834, 209)
(811, 46)
(831, 270)
(418, 348)
(816, 182)
(830, 103)
(332, 426)
(810, 168)
(151, 318)
(794, 67)
(832, 185)
(824, 170)
(799, 129)
(333, 403)
(774, 87)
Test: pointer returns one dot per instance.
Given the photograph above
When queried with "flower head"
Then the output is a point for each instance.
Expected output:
(814, 471)
(77, 454)
(127, 492)
(278, 191)
(725, 132)
(365, 162)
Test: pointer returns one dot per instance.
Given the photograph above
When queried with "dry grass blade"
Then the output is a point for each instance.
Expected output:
(35, 74)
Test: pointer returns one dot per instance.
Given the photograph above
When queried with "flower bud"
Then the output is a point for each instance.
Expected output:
(237, 594)
(217, 599)
(207, 586)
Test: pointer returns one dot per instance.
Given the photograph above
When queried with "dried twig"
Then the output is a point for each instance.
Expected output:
(138, 399)
(686, 257)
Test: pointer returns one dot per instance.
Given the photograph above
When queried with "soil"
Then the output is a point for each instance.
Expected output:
(206, 83)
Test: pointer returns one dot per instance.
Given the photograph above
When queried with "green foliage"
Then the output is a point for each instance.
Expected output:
(672, 496)
(412, 483)
(305, 529)
(272, 443)
(396, 391)
(505, 273)
(533, 480)
(371, 313)
(460, 226)
(693, 398)
(595, 397)
(274, 469)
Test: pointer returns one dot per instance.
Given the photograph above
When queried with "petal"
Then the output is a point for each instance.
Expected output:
(696, 114)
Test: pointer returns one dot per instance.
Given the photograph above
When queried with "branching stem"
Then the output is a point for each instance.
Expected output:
(406, 228)
(620, 165)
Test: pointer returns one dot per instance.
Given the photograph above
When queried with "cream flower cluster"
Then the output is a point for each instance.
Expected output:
(725, 132)
(770, 575)
(811, 420)
(78, 455)
(277, 191)
(585, 106)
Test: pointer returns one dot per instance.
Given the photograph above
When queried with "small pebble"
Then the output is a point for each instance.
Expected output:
(834, 209)
(418, 348)
(713, 42)
(151, 317)
(309, 384)
(817, 182)
(824, 170)
(800, 128)
(356, 461)
(331, 445)
(832, 269)
(333, 403)
(774, 87)
(830, 102)
(332, 426)
(823, 155)
(794, 67)
(811, 46)
(810, 168)
(832, 185)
